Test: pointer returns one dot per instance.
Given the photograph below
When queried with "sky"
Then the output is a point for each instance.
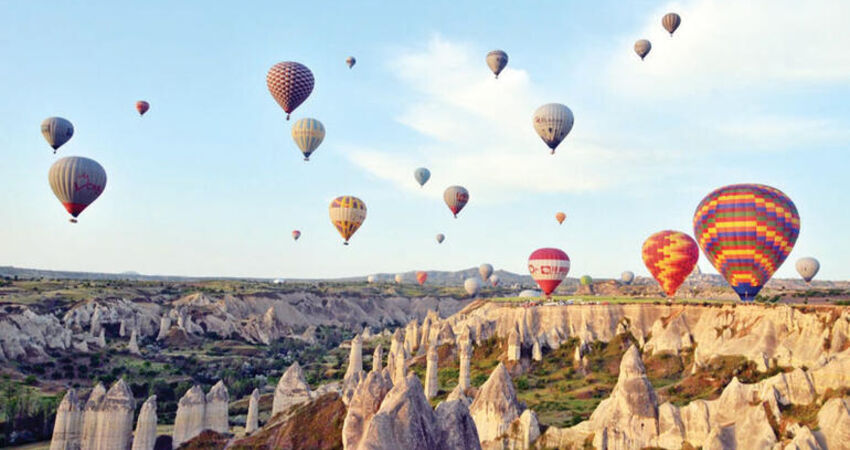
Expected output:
(210, 183)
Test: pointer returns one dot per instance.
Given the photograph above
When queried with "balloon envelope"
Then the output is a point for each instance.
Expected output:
(472, 286)
(627, 277)
(642, 48)
(440, 238)
(399, 278)
(548, 268)
(308, 134)
(290, 83)
(485, 270)
(497, 60)
(421, 277)
(671, 22)
(296, 234)
(422, 175)
(807, 268)
(456, 197)
(747, 232)
(57, 131)
(371, 279)
(494, 280)
(351, 61)
(670, 257)
(76, 182)
(347, 214)
(142, 107)
(553, 122)
(560, 217)
(585, 280)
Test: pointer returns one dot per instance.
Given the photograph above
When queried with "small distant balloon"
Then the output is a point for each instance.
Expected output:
(485, 270)
(585, 280)
(472, 286)
(290, 83)
(77, 182)
(421, 277)
(807, 267)
(308, 134)
(560, 217)
(642, 48)
(553, 122)
(627, 277)
(351, 61)
(347, 214)
(456, 197)
(422, 175)
(494, 280)
(497, 60)
(440, 238)
(371, 279)
(296, 234)
(671, 22)
(57, 131)
(142, 107)
(399, 278)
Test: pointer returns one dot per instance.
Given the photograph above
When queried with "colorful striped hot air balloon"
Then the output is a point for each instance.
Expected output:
(142, 107)
(76, 182)
(671, 22)
(308, 134)
(747, 232)
(296, 234)
(560, 217)
(57, 131)
(548, 268)
(290, 83)
(347, 214)
(421, 277)
(642, 48)
(496, 61)
(456, 198)
(553, 122)
(670, 257)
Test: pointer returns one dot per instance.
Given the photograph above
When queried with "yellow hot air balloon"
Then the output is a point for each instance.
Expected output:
(347, 214)
(76, 182)
(308, 134)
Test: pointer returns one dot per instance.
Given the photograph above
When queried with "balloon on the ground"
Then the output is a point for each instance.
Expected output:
(671, 22)
(548, 268)
(670, 257)
(76, 182)
(497, 60)
(747, 232)
(421, 277)
(807, 268)
(57, 131)
(142, 107)
(399, 278)
(494, 280)
(308, 134)
(485, 270)
(296, 234)
(290, 83)
(421, 175)
(472, 286)
(347, 214)
(642, 48)
(585, 280)
(553, 122)
(440, 238)
(560, 217)
(456, 197)
(351, 61)
(627, 277)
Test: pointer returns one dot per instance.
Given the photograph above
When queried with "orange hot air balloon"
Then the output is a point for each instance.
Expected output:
(670, 257)
(142, 107)
(421, 277)
(560, 216)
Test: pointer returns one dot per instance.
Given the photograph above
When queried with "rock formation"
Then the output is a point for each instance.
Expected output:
(252, 421)
(355, 360)
(495, 406)
(101, 339)
(292, 389)
(514, 346)
(396, 345)
(464, 355)
(133, 346)
(431, 384)
(536, 351)
(68, 427)
(834, 424)
(215, 414)
(405, 420)
(400, 366)
(114, 418)
(377, 358)
(459, 431)
(363, 405)
(191, 413)
(90, 416)
(145, 436)
(164, 326)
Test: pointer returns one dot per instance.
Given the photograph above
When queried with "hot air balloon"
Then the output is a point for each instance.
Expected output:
(440, 238)
(807, 268)
(670, 257)
(627, 277)
(456, 198)
(671, 22)
(494, 280)
(351, 61)
(371, 279)
(422, 175)
(399, 278)
(76, 182)
(142, 107)
(347, 214)
(747, 232)
(560, 216)
(290, 83)
(472, 286)
(585, 280)
(553, 122)
(497, 60)
(548, 267)
(421, 277)
(296, 234)
(308, 134)
(642, 48)
(485, 270)
(57, 131)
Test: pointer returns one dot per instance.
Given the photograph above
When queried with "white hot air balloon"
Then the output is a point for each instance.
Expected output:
(370, 279)
(472, 286)
(553, 122)
(807, 267)
(399, 278)
(57, 131)
(485, 270)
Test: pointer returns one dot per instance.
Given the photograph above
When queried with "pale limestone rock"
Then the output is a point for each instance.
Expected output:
(164, 326)
(696, 420)
(523, 433)
(355, 360)
(133, 346)
(292, 389)
(81, 346)
(122, 330)
(514, 346)
(671, 429)
(536, 352)
(363, 405)
(115, 418)
(145, 436)
(252, 421)
(431, 384)
(405, 420)
(754, 431)
(215, 414)
(411, 337)
(191, 413)
(464, 356)
(90, 416)
(446, 335)
(495, 406)
(377, 358)
(458, 394)
(721, 438)
(803, 439)
(834, 375)
(68, 427)
(459, 431)
(101, 339)
(400, 366)
(396, 345)
(834, 424)
(424, 335)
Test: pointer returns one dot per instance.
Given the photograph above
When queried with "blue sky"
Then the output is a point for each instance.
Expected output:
(209, 182)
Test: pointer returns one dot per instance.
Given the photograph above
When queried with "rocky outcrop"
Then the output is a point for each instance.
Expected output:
(292, 389)
(432, 386)
(404, 420)
(400, 366)
(133, 346)
(90, 415)
(191, 413)
(68, 427)
(514, 346)
(114, 418)
(164, 326)
(377, 358)
(459, 431)
(145, 436)
(834, 424)
(252, 421)
(25, 335)
(363, 405)
(101, 339)
(396, 345)
(464, 355)
(215, 413)
(495, 406)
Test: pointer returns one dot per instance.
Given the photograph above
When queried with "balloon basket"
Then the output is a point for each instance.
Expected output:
(72, 220)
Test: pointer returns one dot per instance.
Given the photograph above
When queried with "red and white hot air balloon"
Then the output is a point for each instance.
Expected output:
(456, 197)
(290, 83)
(142, 107)
(548, 267)
(421, 276)
(296, 234)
